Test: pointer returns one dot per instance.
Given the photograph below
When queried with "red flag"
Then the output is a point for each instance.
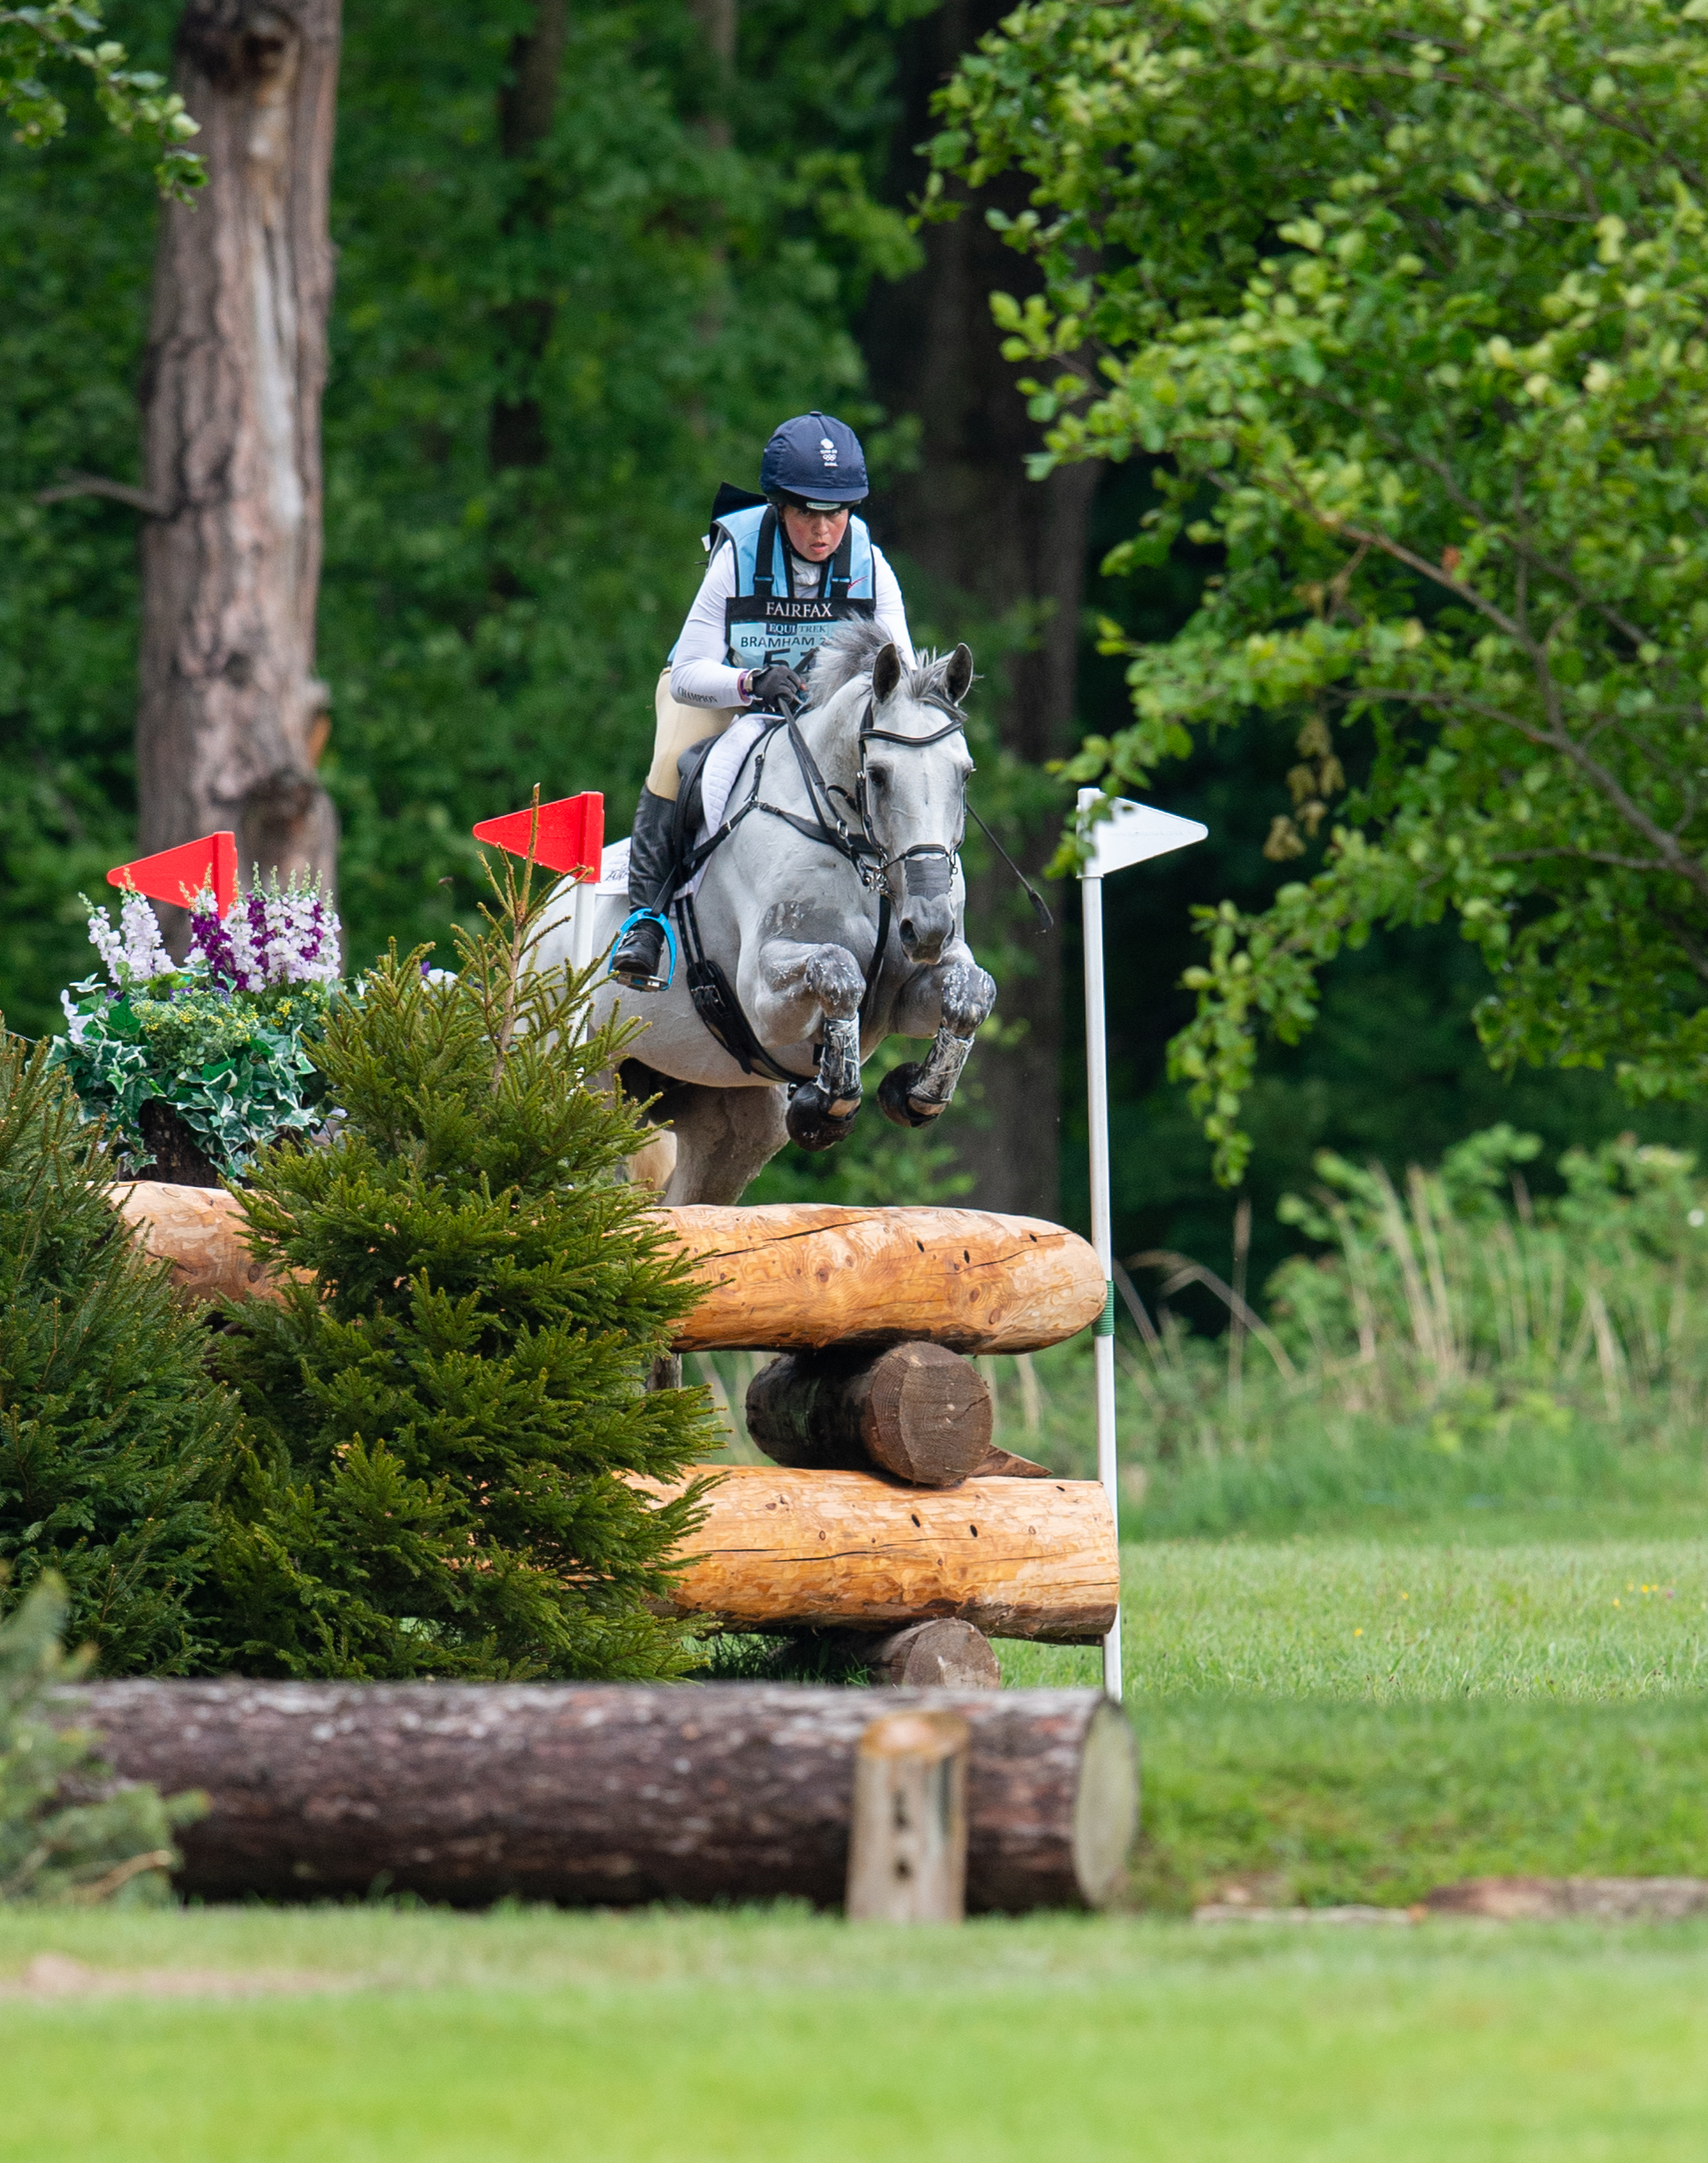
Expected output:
(570, 836)
(179, 875)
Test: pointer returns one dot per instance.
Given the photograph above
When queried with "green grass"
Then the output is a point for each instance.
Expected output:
(787, 2039)
(1338, 1721)
(1322, 1719)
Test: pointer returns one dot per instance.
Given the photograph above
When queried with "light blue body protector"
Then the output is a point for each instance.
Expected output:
(765, 621)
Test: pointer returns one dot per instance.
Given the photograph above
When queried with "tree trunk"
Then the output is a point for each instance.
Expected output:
(231, 719)
(605, 1793)
(719, 24)
(1015, 1558)
(780, 1277)
(527, 103)
(995, 545)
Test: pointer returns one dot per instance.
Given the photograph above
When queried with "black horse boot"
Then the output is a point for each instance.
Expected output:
(652, 860)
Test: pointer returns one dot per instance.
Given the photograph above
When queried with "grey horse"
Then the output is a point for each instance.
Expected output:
(852, 819)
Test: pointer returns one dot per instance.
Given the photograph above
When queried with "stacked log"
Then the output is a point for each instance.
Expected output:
(918, 1411)
(1015, 1558)
(835, 1539)
(610, 1794)
(787, 1277)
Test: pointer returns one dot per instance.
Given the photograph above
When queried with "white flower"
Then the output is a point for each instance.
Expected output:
(76, 1024)
(133, 953)
(145, 951)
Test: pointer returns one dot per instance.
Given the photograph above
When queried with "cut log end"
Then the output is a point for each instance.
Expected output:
(946, 1655)
(916, 1410)
(1106, 1810)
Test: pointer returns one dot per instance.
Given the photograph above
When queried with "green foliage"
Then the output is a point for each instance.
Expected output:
(1407, 301)
(134, 101)
(236, 1067)
(484, 624)
(119, 1847)
(444, 1418)
(113, 1440)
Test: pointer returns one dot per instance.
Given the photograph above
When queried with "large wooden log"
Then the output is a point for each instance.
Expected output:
(1015, 1558)
(198, 1231)
(918, 1411)
(799, 1275)
(791, 1276)
(602, 1792)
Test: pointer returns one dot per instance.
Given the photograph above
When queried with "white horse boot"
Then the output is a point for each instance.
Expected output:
(821, 1111)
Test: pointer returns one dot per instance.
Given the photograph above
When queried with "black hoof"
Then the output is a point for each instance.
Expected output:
(892, 1096)
(810, 1121)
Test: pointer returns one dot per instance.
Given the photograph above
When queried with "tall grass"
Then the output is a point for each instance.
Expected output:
(1451, 1343)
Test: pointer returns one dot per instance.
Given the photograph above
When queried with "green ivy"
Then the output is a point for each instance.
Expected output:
(236, 1067)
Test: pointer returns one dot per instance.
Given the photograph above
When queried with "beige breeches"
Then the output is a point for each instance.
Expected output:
(678, 727)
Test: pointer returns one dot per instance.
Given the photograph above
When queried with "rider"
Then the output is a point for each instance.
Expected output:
(787, 567)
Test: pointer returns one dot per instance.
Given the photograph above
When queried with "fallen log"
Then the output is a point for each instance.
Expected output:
(788, 1276)
(918, 1411)
(1015, 1558)
(602, 1792)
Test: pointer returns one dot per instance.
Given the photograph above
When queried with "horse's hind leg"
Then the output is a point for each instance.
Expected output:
(725, 1137)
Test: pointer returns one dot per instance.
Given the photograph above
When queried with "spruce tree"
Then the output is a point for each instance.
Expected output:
(119, 1846)
(114, 1438)
(442, 1414)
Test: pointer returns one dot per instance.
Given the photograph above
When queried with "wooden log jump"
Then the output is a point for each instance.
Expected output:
(786, 1277)
(1015, 1558)
(609, 1794)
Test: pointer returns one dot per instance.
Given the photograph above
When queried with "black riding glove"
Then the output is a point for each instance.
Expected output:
(776, 690)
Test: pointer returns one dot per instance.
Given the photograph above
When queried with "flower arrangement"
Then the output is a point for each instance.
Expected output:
(212, 1049)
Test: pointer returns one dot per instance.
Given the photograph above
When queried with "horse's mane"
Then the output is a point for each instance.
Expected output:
(852, 649)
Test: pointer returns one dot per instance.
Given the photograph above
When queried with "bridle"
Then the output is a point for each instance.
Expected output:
(928, 867)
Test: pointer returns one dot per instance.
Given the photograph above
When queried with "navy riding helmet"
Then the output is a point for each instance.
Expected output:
(816, 458)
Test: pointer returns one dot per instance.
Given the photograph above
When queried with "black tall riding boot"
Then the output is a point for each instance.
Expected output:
(651, 859)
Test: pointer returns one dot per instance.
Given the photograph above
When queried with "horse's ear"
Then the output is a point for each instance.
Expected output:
(886, 674)
(957, 677)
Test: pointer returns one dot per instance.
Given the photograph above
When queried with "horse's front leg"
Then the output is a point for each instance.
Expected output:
(812, 987)
(956, 998)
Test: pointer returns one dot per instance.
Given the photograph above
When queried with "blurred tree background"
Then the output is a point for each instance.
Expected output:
(588, 257)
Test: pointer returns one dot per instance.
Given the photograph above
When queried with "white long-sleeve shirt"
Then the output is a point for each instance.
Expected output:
(699, 673)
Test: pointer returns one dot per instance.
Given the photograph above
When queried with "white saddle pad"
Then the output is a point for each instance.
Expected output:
(723, 762)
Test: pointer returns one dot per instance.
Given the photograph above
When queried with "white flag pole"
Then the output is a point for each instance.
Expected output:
(1097, 1087)
(1133, 833)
